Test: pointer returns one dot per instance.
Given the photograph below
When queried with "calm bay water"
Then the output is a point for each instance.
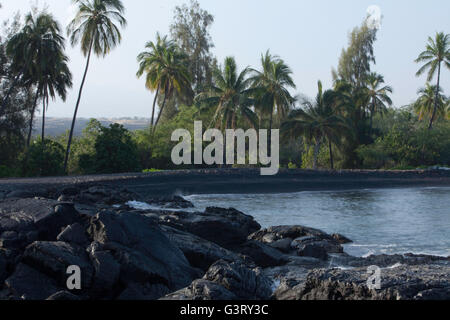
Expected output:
(379, 221)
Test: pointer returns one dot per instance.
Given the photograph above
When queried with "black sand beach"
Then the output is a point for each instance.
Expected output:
(219, 181)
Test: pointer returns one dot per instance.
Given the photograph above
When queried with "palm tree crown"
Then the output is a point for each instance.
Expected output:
(150, 62)
(273, 82)
(231, 96)
(316, 121)
(378, 95)
(38, 50)
(94, 26)
(167, 70)
(424, 105)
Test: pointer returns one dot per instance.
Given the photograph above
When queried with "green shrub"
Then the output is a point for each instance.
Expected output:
(7, 172)
(114, 152)
(43, 159)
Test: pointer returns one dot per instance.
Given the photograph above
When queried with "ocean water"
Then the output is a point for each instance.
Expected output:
(379, 221)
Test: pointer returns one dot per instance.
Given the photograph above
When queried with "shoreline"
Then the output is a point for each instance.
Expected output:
(234, 181)
(212, 254)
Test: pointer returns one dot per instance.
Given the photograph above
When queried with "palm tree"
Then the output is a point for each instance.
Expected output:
(378, 95)
(425, 105)
(230, 96)
(38, 52)
(316, 122)
(273, 82)
(149, 62)
(54, 79)
(93, 26)
(437, 52)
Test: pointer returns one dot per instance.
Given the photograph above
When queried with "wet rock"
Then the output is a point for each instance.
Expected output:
(106, 271)
(225, 227)
(64, 198)
(101, 195)
(274, 234)
(141, 248)
(289, 279)
(243, 282)
(312, 246)
(174, 202)
(54, 258)
(20, 194)
(227, 281)
(283, 245)
(262, 254)
(75, 233)
(25, 220)
(199, 252)
(384, 261)
(63, 296)
(28, 284)
(341, 239)
(143, 292)
(421, 282)
(202, 290)
(69, 191)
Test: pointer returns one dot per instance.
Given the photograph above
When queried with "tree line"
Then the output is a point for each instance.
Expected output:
(343, 127)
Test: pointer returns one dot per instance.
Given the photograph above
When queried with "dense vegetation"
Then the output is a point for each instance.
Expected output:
(351, 125)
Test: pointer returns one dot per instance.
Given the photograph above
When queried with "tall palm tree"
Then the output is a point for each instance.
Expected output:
(231, 96)
(437, 53)
(149, 62)
(37, 52)
(317, 121)
(273, 82)
(378, 95)
(93, 27)
(425, 105)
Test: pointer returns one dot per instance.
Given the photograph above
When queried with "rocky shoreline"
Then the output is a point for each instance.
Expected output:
(176, 253)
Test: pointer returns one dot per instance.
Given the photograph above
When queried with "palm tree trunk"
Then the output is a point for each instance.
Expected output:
(154, 106)
(43, 122)
(331, 154)
(436, 98)
(30, 130)
(162, 109)
(269, 150)
(66, 160)
(371, 117)
(316, 154)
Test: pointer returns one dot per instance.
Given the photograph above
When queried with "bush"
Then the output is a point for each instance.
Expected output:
(409, 146)
(7, 172)
(43, 159)
(114, 152)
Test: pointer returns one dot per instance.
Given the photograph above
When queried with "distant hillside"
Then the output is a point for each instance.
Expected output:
(58, 126)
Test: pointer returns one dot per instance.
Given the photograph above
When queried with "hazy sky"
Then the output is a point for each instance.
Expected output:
(308, 35)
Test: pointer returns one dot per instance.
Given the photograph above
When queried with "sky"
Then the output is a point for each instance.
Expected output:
(308, 35)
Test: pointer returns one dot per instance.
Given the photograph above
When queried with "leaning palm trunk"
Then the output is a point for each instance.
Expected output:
(331, 154)
(69, 143)
(269, 150)
(43, 121)
(166, 93)
(436, 98)
(154, 106)
(30, 129)
(316, 154)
